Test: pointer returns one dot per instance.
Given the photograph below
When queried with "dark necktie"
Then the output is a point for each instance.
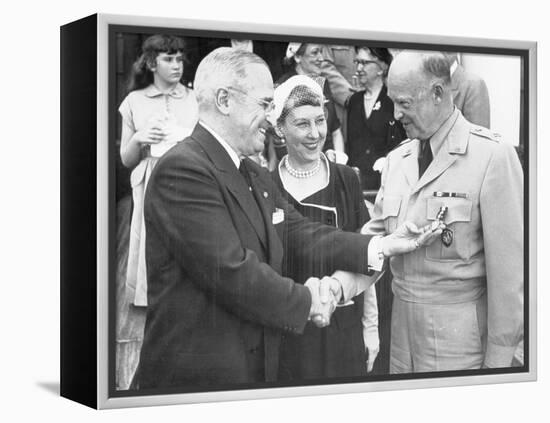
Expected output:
(425, 157)
(244, 171)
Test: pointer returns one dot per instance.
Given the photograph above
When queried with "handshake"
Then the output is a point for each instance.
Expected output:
(326, 293)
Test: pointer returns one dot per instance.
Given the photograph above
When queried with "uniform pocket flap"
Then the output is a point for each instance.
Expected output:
(458, 209)
(391, 206)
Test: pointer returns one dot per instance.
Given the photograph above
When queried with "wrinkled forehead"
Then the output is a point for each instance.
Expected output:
(406, 83)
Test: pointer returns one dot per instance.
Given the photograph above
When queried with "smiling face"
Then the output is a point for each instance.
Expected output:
(250, 102)
(168, 69)
(310, 62)
(305, 131)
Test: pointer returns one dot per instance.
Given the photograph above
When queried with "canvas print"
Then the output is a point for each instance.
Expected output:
(293, 212)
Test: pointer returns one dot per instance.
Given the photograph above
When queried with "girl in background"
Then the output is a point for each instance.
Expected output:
(157, 113)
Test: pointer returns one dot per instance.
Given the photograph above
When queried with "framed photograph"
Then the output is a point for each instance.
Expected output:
(435, 131)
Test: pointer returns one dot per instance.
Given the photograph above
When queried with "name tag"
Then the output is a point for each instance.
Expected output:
(278, 216)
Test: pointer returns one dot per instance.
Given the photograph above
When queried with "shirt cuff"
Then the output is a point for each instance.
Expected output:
(498, 356)
(375, 259)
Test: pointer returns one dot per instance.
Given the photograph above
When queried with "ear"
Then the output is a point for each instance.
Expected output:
(437, 90)
(278, 131)
(221, 100)
(151, 65)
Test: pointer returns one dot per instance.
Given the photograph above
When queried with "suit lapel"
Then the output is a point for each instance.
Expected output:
(263, 194)
(232, 178)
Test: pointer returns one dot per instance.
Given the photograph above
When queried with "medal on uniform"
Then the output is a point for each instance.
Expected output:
(447, 237)
(446, 234)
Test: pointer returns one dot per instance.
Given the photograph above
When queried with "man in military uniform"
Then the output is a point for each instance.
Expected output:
(459, 301)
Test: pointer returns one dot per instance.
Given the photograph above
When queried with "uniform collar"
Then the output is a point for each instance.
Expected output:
(437, 139)
(178, 91)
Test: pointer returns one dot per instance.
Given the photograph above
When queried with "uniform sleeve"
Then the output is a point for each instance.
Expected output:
(501, 204)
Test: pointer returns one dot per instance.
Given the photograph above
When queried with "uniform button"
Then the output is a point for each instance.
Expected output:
(265, 194)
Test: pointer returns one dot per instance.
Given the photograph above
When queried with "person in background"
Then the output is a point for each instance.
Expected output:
(458, 303)
(328, 193)
(338, 68)
(372, 129)
(157, 113)
(470, 93)
(306, 59)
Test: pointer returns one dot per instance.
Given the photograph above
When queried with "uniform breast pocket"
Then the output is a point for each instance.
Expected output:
(458, 240)
(390, 212)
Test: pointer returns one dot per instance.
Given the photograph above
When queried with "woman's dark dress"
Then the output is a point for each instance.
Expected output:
(372, 138)
(337, 350)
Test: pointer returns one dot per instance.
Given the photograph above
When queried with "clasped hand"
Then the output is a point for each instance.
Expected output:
(325, 295)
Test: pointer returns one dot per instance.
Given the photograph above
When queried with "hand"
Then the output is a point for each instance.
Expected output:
(153, 133)
(372, 344)
(408, 237)
(325, 294)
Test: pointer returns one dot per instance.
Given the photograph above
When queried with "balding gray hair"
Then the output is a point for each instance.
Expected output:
(435, 64)
(223, 67)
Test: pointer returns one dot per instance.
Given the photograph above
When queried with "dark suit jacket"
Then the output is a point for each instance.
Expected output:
(217, 302)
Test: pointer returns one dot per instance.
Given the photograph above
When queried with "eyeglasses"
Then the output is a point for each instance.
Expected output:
(267, 105)
(364, 62)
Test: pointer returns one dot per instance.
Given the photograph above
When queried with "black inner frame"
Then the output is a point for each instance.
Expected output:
(112, 115)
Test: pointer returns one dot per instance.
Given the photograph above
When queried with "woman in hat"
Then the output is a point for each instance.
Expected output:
(306, 59)
(329, 193)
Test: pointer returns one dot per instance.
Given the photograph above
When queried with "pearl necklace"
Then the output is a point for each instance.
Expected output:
(301, 174)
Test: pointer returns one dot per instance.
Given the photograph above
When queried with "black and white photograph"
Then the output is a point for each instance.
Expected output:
(300, 211)
(277, 211)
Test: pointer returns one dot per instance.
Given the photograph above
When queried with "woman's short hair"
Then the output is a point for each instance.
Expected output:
(383, 56)
(141, 75)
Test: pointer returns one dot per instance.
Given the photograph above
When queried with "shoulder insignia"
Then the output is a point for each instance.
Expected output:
(485, 133)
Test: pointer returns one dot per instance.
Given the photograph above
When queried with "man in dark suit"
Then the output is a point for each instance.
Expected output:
(215, 238)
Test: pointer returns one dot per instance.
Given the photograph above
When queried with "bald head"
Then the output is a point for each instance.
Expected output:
(419, 85)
